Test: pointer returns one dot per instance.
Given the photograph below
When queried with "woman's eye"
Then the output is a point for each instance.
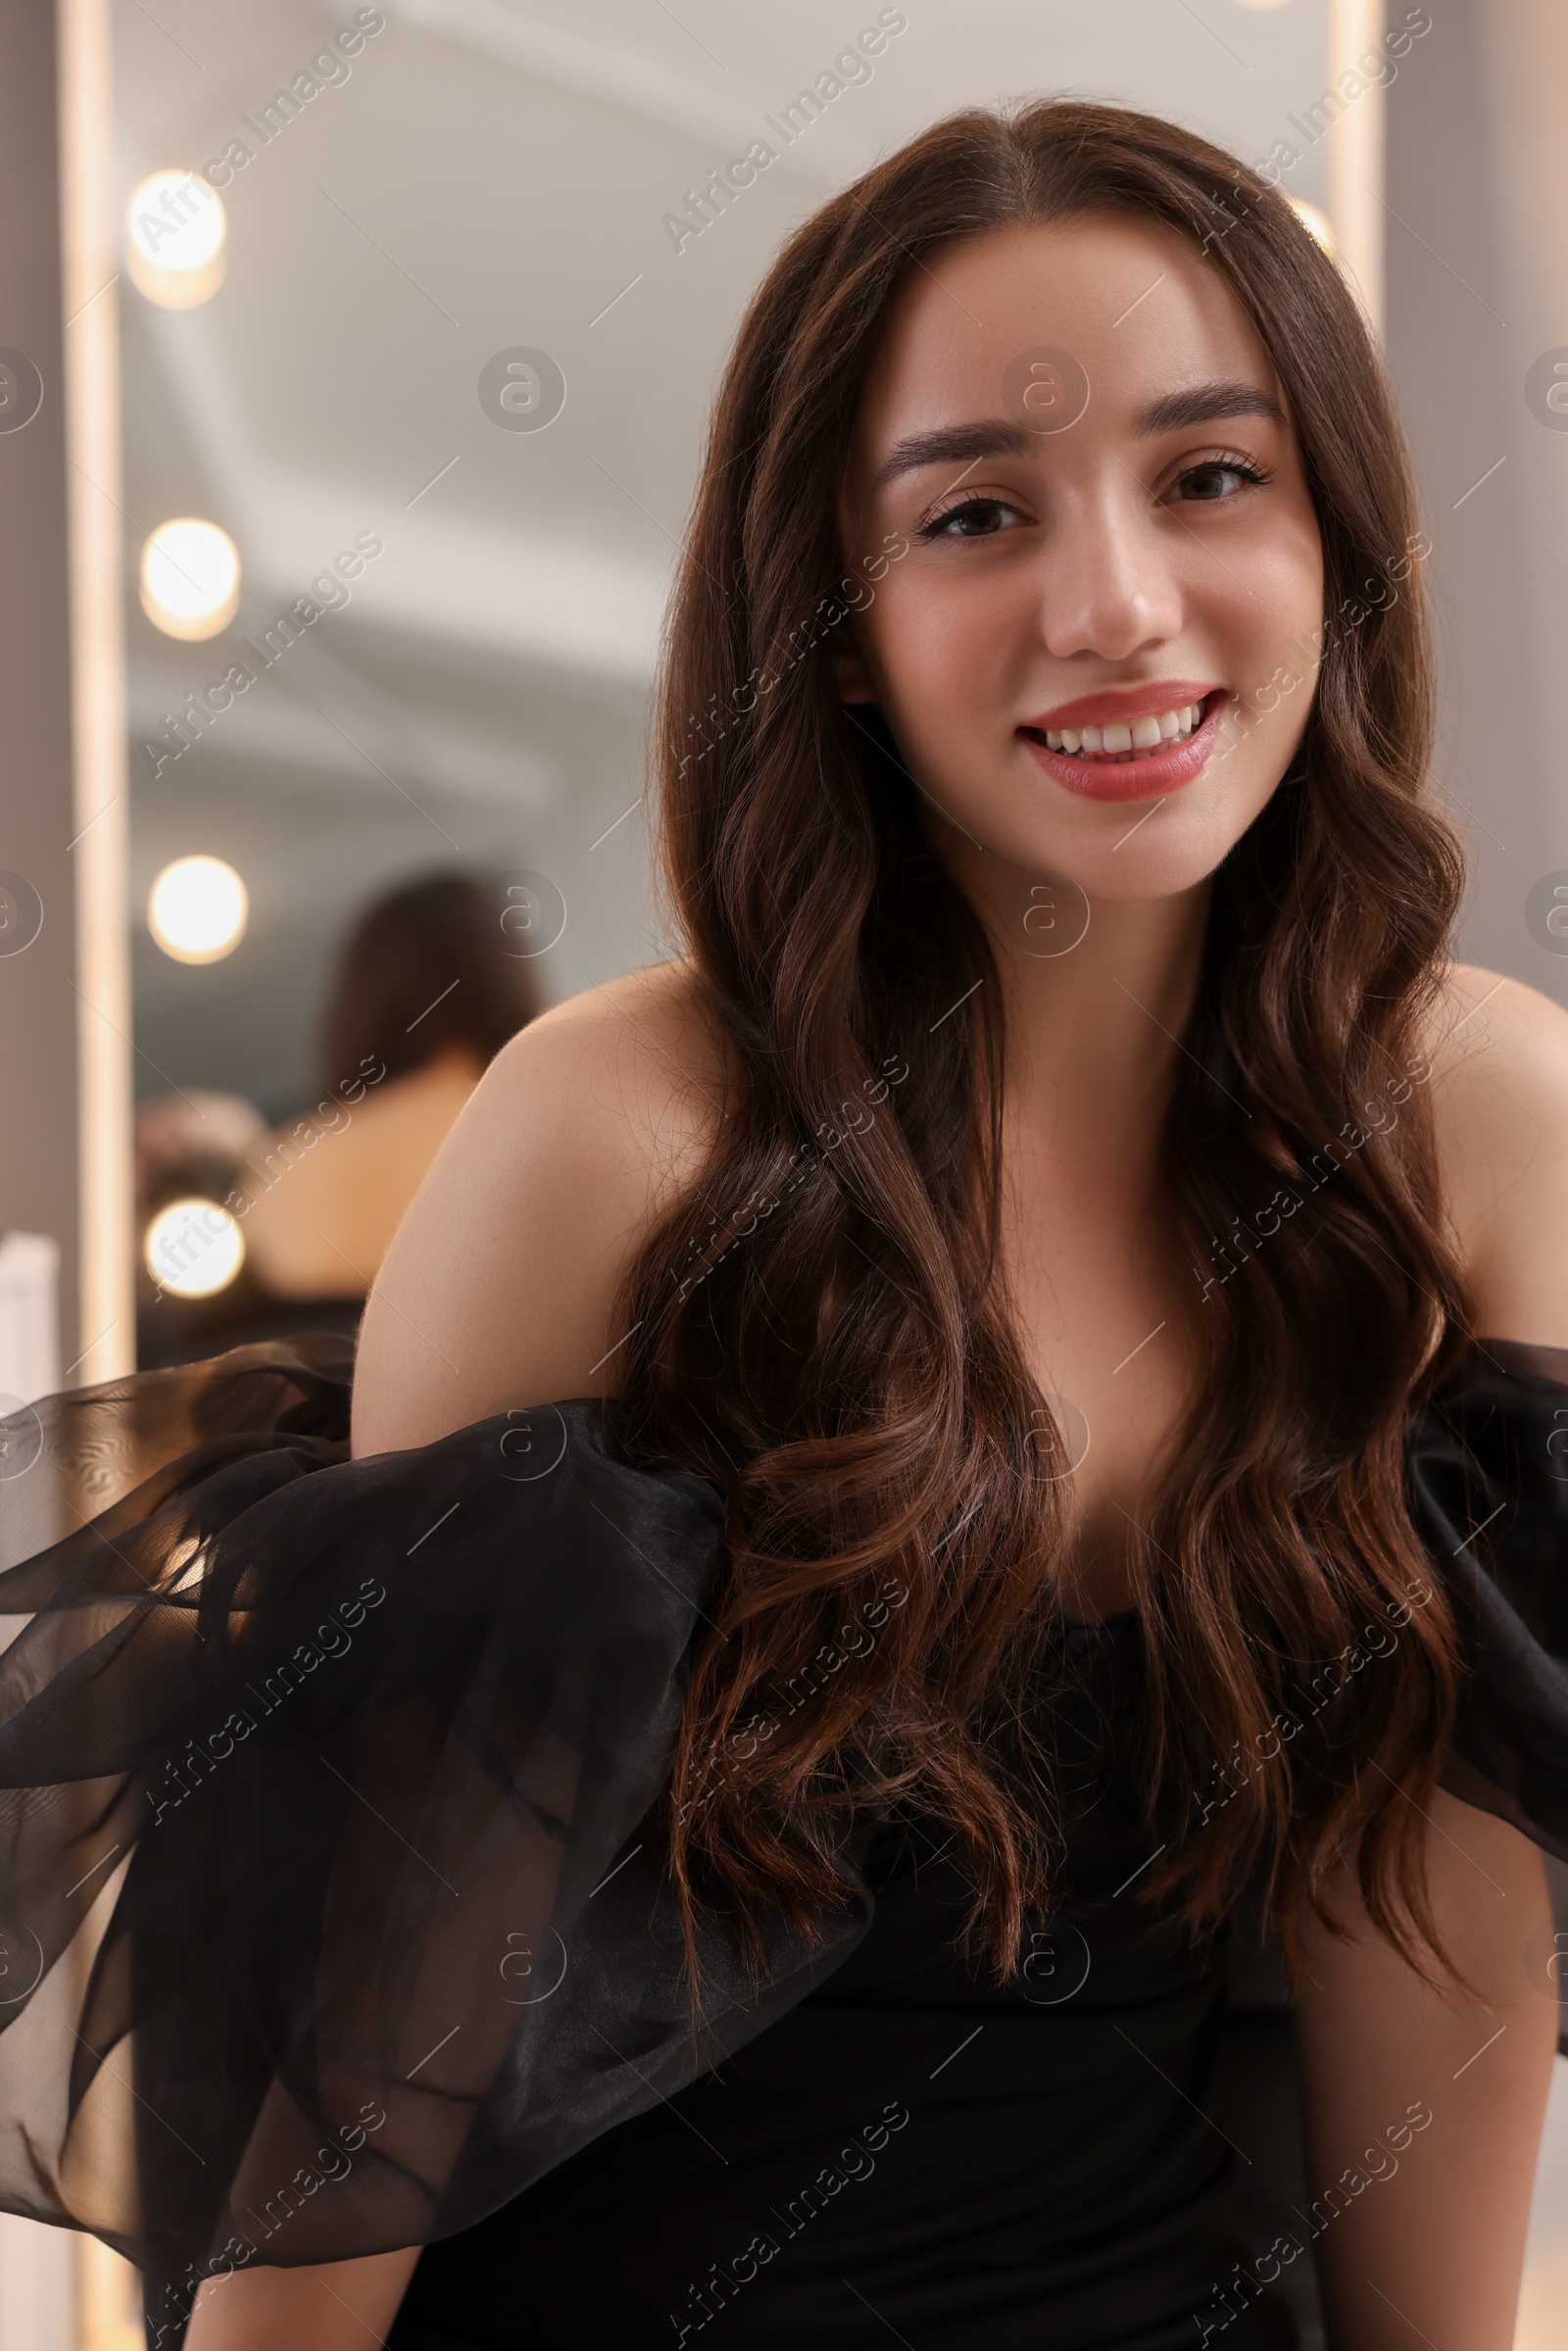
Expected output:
(976, 518)
(1216, 479)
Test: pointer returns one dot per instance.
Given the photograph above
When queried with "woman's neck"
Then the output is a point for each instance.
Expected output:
(1093, 1029)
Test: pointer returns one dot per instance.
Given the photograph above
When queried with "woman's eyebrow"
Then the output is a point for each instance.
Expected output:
(1206, 404)
(956, 444)
(994, 436)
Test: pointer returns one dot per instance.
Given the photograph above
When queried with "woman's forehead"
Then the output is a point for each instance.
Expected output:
(1126, 300)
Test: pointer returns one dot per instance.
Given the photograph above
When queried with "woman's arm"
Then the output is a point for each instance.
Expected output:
(335, 2306)
(499, 1286)
(497, 1291)
(1424, 2109)
(1500, 1104)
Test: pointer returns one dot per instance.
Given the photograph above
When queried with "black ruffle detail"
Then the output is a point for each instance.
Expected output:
(331, 1918)
(1488, 1466)
(1488, 1463)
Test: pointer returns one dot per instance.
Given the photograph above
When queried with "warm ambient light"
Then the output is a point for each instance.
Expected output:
(175, 239)
(1262, 3)
(190, 578)
(1317, 222)
(193, 1248)
(197, 910)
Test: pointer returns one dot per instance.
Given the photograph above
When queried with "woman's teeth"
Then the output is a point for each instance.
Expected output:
(1126, 742)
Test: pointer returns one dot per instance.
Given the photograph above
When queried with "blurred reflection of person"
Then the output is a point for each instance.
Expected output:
(425, 995)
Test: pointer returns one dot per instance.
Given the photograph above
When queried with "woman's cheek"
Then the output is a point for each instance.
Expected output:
(945, 665)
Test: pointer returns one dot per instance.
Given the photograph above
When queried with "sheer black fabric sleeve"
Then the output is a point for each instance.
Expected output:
(1488, 1470)
(332, 1915)
(1488, 1463)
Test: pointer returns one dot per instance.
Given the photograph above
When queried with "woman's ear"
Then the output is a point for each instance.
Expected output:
(854, 684)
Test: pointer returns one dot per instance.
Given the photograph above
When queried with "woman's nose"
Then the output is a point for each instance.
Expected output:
(1108, 584)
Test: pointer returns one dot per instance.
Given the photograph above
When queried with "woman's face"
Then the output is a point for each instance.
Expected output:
(1079, 436)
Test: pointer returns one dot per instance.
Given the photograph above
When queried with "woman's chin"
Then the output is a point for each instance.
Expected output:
(1166, 848)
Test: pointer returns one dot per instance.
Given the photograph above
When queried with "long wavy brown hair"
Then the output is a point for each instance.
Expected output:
(822, 1325)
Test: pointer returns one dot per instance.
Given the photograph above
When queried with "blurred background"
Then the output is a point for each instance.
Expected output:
(353, 369)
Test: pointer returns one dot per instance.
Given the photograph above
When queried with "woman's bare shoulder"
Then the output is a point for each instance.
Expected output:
(499, 1286)
(1498, 1051)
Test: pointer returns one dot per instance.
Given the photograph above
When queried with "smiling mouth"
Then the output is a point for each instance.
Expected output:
(1147, 758)
(1122, 745)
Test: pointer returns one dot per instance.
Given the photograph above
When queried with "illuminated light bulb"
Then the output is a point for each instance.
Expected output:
(197, 910)
(176, 239)
(1309, 215)
(193, 1248)
(189, 578)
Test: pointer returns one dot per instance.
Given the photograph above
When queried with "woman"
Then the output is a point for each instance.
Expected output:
(427, 990)
(1050, 1202)
(425, 995)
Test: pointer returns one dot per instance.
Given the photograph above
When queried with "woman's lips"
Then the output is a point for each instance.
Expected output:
(1145, 775)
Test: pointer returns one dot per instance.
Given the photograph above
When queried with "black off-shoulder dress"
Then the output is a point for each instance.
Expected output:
(332, 1916)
